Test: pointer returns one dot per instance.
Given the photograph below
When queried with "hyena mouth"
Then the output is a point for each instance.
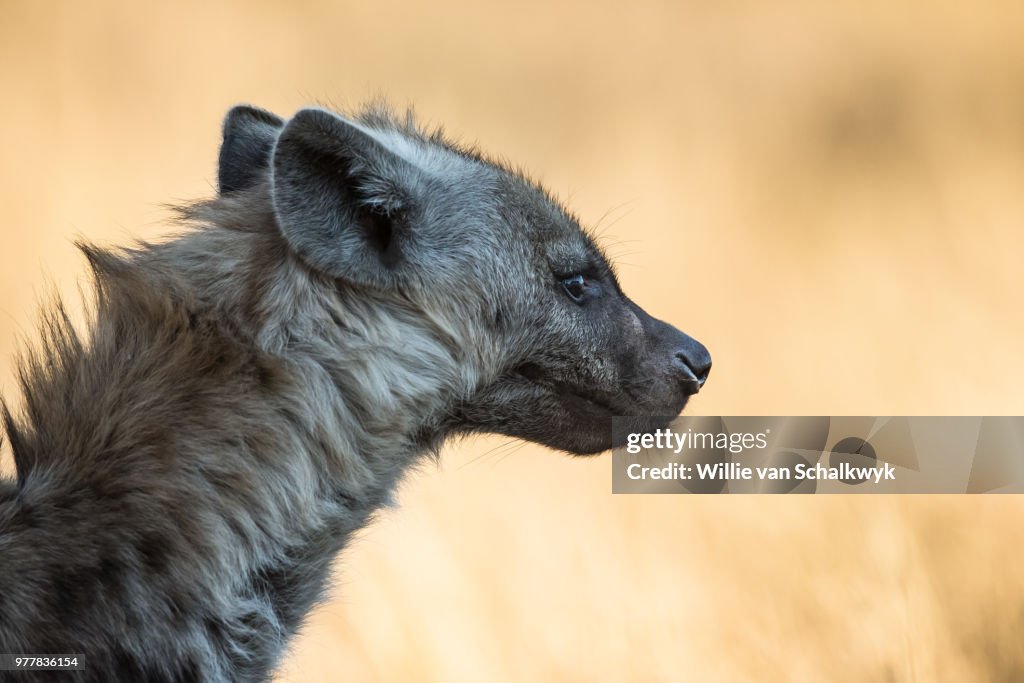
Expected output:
(583, 404)
(576, 399)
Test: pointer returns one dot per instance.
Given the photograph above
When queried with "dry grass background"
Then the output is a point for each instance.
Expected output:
(830, 195)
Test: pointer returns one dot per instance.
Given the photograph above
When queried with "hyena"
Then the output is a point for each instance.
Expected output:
(248, 392)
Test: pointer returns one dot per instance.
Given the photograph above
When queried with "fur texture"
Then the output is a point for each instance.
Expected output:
(248, 392)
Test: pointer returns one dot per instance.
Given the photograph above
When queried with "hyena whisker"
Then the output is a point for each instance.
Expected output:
(504, 445)
(610, 245)
(515, 449)
(618, 258)
(599, 228)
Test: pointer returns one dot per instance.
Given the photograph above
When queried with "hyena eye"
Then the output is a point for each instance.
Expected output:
(579, 288)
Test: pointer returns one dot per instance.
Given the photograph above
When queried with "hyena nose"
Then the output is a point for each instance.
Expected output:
(694, 361)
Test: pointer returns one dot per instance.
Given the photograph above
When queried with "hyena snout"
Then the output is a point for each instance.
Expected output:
(691, 362)
(678, 364)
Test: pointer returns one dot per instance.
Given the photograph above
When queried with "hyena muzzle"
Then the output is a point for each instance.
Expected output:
(247, 393)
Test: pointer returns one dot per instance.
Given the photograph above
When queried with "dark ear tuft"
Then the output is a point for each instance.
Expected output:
(249, 135)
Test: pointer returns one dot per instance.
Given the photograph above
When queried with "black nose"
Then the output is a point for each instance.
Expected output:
(693, 360)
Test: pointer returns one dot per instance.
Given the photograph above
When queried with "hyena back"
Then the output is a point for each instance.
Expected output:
(250, 391)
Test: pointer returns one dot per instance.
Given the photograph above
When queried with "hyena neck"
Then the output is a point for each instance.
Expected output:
(373, 376)
(370, 379)
(227, 423)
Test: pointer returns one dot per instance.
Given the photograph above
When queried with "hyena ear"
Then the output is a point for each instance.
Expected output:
(343, 199)
(249, 135)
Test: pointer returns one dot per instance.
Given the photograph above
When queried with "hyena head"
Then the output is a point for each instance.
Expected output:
(529, 303)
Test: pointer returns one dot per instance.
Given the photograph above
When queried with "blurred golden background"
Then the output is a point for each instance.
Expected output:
(829, 195)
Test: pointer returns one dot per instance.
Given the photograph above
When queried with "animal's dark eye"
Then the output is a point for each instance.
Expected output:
(577, 287)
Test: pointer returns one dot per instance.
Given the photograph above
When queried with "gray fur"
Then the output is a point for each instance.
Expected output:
(249, 392)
